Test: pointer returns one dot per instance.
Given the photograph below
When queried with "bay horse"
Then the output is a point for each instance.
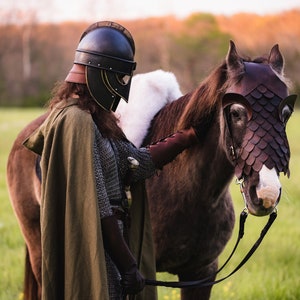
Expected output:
(243, 107)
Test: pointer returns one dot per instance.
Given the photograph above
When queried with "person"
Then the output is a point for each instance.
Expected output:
(86, 166)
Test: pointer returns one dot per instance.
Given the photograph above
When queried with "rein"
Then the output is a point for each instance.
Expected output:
(207, 281)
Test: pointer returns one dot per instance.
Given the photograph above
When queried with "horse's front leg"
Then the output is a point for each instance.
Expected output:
(198, 293)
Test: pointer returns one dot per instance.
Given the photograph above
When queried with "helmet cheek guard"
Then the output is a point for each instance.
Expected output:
(107, 88)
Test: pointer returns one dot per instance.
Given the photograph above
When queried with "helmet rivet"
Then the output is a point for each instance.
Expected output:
(89, 62)
(110, 68)
(99, 65)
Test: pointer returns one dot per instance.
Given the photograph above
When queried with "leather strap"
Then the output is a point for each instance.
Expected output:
(206, 281)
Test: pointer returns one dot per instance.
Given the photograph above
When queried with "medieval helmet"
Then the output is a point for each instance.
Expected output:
(104, 61)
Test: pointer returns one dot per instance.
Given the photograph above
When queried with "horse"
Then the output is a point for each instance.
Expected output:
(242, 108)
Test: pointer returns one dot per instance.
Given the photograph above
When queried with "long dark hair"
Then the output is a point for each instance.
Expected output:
(106, 121)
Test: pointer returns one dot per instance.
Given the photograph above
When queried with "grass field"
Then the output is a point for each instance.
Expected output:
(271, 274)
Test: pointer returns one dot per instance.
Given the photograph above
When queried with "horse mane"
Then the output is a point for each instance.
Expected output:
(208, 93)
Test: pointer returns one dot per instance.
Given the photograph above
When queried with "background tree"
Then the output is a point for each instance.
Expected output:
(35, 55)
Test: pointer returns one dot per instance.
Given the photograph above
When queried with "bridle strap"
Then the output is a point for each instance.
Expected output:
(206, 281)
(243, 217)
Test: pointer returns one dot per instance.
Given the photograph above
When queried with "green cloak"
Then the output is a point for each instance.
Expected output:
(73, 261)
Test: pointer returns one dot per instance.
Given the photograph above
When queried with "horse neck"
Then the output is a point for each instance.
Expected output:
(203, 168)
(210, 156)
(211, 148)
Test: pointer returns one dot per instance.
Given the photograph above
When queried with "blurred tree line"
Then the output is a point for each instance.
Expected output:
(34, 56)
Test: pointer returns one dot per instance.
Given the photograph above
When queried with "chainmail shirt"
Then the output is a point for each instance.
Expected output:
(111, 168)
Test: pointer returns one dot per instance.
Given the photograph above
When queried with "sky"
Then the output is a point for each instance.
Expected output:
(94, 10)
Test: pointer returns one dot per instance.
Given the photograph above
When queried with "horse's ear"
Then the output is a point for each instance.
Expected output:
(276, 60)
(233, 60)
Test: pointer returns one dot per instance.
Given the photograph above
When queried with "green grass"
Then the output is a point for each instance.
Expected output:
(271, 274)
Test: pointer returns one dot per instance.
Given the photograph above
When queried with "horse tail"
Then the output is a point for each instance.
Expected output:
(30, 283)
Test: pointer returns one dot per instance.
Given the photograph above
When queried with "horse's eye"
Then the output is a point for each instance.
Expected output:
(286, 113)
(235, 113)
(238, 113)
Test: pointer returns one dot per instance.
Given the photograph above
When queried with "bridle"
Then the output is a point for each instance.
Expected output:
(208, 280)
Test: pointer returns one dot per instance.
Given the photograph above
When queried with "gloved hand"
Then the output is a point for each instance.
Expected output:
(165, 150)
(132, 281)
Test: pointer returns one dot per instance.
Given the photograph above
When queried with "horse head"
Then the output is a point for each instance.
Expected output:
(256, 108)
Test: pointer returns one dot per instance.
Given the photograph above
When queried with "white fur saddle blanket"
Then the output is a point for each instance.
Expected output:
(149, 93)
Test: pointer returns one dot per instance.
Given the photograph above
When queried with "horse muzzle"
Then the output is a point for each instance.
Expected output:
(263, 205)
(262, 195)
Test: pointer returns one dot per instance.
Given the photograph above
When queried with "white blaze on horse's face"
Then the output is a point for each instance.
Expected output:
(269, 187)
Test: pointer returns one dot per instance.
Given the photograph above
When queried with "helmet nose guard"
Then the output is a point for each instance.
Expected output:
(107, 50)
